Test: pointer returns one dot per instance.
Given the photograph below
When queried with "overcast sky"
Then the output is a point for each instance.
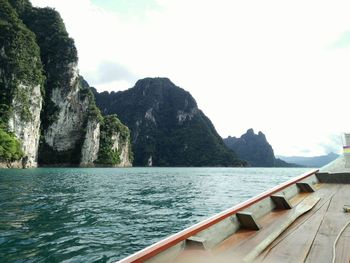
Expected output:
(280, 67)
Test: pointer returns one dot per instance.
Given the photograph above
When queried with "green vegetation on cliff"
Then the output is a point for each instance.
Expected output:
(10, 147)
(20, 71)
(36, 51)
(58, 54)
(20, 6)
(166, 126)
(110, 128)
(20, 64)
(85, 92)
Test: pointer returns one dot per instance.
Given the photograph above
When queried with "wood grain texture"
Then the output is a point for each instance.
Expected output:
(309, 239)
(306, 205)
(333, 222)
(300, 240)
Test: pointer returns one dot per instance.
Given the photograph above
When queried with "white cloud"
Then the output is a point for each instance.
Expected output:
(256, 64)
(109, 71)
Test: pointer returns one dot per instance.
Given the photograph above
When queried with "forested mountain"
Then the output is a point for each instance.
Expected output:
(255, 149)
(166, 125)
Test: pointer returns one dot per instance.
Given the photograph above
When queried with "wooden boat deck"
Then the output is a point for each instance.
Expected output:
(309, 239)
(274, 226)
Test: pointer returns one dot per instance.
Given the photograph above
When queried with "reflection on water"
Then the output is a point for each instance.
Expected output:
(102, 215)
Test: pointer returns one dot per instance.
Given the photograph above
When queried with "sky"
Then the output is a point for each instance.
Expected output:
(280, 67)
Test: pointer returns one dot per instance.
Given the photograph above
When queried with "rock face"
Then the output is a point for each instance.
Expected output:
(91, 145)
(64, 132)
(123, 148)
(21, 82)
(71, 121)
(114, 147)
(33, 41)
(255, 149)
(27, 131)
(64, 136)
(65, 112)
(166, 125)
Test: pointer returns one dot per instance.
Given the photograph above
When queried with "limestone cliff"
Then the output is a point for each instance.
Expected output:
(41, 90)
(91, 145)
(64, 112)
(21, 81)
(115, 149)
(166, 125)
(255, 149)
(71, 121)
(27, 130)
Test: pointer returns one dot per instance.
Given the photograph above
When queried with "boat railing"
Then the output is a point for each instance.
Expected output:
(175, 239)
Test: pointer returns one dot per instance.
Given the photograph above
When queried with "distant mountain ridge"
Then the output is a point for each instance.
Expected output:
(167, 128)
(255, 149)
(316, 162)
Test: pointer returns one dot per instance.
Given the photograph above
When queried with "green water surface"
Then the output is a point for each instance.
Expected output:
(105, 214)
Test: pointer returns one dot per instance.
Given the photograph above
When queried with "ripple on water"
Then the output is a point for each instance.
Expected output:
(102, 215)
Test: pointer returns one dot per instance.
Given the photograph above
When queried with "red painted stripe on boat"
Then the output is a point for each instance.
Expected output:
(170, 241)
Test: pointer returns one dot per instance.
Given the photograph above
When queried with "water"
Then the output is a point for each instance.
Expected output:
(102, 215)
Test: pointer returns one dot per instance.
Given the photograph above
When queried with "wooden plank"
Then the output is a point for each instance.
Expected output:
(325, 192)
(321, 250)
(224, 250)
(306, 205)
(166, 243)
(341, 198)
(193, 256)
(234, 240)
(334, 220)
(300, 240)
(298, 198)
(241, 244)
(268, 223)
(342, 249)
